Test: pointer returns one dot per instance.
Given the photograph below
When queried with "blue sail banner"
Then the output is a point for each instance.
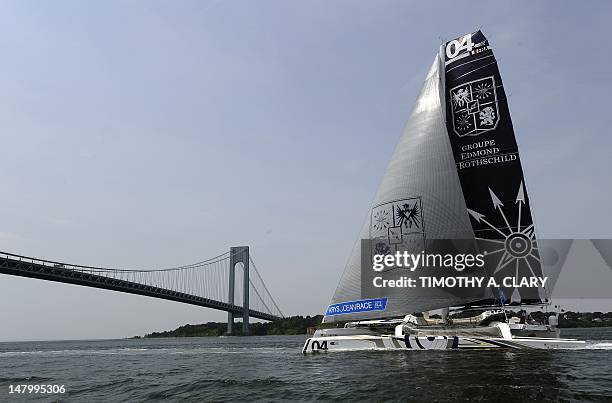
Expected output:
(364, 305)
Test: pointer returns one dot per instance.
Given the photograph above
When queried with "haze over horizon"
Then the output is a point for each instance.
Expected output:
(153, 134)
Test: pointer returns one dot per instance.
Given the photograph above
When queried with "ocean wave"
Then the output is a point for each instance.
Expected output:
(27, 379)
(81, 351)
(144, 350)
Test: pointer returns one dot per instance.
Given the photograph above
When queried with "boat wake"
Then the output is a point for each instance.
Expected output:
(598, 345)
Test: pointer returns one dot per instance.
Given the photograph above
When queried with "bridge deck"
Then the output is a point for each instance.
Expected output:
(38, 269)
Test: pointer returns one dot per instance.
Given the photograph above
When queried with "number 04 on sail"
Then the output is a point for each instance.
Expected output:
(455, 175)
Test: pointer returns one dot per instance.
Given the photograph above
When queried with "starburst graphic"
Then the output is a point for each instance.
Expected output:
(483, 90)
(514, 247)
(381, 220)
(464, 121)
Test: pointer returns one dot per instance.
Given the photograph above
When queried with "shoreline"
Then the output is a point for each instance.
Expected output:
(304, 325)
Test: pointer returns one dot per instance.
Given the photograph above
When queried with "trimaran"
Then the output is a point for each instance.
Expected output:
(455, 174)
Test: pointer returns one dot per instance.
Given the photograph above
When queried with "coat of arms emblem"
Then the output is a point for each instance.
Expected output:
(474, 107)
(395, 222)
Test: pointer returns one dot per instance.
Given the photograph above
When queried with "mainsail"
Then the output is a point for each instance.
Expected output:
(452, 175)
(486, 154)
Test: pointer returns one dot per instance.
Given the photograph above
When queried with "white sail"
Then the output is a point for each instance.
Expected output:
(421, 173)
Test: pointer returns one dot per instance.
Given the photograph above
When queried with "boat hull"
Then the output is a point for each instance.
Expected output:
(413, 342)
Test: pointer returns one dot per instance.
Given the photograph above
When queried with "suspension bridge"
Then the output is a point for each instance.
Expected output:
(229, 282)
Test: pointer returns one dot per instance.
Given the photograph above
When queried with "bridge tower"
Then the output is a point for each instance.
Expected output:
(239, 254)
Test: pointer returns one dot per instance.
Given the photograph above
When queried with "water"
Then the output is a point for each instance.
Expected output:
(273, 368)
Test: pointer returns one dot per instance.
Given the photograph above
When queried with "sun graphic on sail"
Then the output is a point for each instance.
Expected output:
(515, 246)
(382, 220)
(483, 90)
(464, 122)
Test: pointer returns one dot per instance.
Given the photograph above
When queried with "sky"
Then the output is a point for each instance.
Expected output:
(159, 133)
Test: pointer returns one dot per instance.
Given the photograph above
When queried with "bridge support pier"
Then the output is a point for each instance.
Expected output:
(239, 254)
(232, 276)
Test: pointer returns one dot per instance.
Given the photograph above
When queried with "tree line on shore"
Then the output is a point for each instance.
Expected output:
(301, 324)
(286, 326)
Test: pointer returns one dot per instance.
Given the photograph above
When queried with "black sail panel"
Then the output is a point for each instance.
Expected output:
(488, 163)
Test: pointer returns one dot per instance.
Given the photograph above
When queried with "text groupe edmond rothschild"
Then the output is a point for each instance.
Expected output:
(459, 262)
(482, 153)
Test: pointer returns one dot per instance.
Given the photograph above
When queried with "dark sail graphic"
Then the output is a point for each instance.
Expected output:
(394, 221)
(487, 159)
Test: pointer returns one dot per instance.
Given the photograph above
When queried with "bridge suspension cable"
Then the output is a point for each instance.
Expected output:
(201, 283)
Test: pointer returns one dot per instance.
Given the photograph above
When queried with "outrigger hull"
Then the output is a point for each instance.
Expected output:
(413, 342)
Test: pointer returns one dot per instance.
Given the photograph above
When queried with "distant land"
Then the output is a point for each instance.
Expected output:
(300, 325)
(286, 326)
(585, 319)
